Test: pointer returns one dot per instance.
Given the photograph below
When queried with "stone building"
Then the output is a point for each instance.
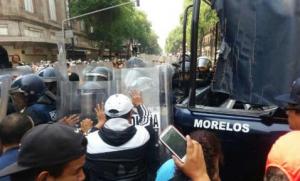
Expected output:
(28, 28)
(208, 44)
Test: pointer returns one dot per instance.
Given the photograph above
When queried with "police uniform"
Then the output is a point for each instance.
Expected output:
(43, 111)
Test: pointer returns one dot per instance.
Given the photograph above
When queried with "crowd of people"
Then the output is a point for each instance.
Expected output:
(38, 145)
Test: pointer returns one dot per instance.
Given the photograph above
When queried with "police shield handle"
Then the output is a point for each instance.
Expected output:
(99, 109)
(194, 165)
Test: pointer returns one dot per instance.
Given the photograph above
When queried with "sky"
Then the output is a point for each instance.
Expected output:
(164, 16)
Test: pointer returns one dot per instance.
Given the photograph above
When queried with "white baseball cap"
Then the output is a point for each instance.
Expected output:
(117, 105)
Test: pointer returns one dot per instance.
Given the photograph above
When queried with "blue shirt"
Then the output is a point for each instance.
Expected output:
(8, 158)
(166, 171)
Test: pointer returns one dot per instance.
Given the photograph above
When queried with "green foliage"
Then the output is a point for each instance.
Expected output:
(207, 21)
(173, 42)
(116, 26)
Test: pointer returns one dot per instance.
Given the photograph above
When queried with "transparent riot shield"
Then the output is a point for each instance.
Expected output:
(18, 71)
(81, 97)
(154, 85)
(166, 72)
(6, 78)
(5, 81)
(92, 93)
(83, 68)
(80, 70)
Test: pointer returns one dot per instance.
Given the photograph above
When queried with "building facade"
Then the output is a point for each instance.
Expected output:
(28, 28)
(208, 44)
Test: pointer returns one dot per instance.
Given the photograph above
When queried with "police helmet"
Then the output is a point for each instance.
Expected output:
(203, 63)
(48, 74)
(99, 74)
(187, 58)
(187, 66)
(135, 62)
(30, 85)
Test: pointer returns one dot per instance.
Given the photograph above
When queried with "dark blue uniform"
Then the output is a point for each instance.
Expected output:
(44, 111)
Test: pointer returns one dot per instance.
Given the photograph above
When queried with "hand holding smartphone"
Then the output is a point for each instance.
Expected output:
(174, 141)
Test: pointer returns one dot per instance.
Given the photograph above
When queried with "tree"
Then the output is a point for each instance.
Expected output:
(116, 26)
(207, 21)
(173, 42)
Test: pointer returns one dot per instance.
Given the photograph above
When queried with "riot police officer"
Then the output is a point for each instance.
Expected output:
(82, 97)
(31, 96)
(204, 74)
(91, 93)
(181, 76)
(180, 81)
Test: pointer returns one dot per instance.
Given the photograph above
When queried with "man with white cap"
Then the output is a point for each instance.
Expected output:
(120, 150)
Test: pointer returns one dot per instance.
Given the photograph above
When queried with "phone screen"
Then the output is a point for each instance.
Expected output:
(175, 141)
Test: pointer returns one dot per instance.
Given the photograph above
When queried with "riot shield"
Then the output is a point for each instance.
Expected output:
(154, 84)
(6, 78)
(5, 81)
(166, 72)
(18, 71)
(80, 70)
(81, 97)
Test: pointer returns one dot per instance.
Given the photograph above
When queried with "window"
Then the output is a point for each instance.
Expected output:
(28, 5)
(52, 10)
(3, 30)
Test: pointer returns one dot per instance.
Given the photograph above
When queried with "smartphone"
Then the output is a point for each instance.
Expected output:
(174, 141)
